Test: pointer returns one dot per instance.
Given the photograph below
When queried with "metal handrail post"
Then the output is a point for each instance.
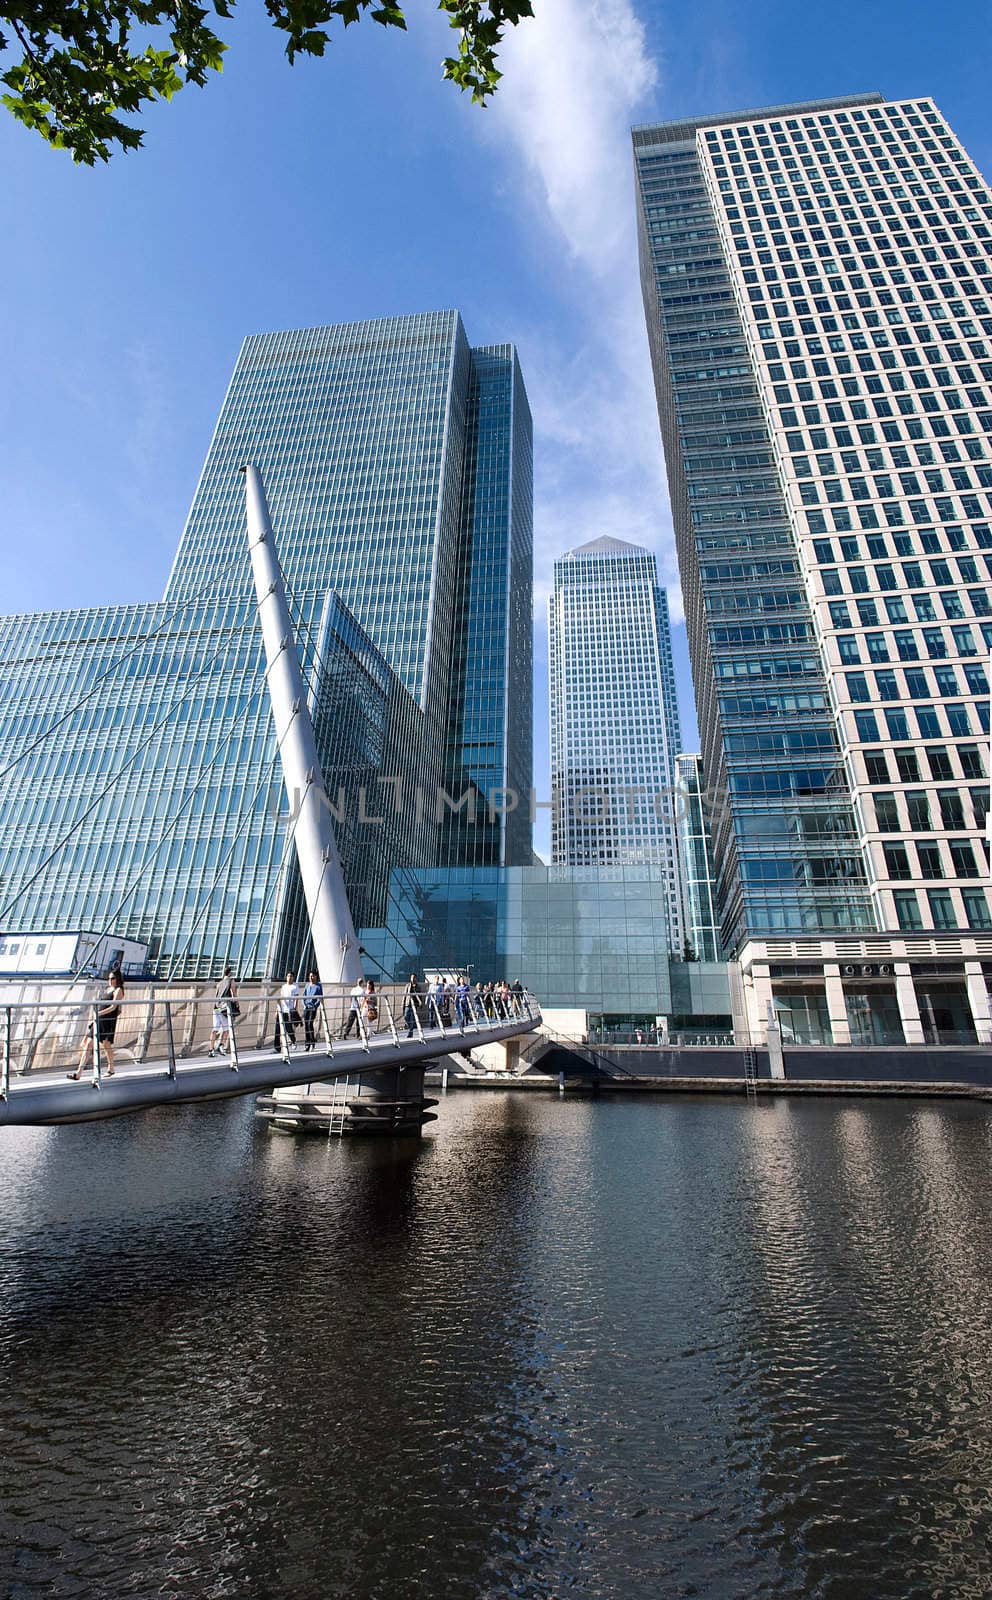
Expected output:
(5, 1080)
(232, 1043)
(414, 1008)
(431, 1001)
(328, 1036)
(392, 1024)
(96, 1042)
(170, 1036)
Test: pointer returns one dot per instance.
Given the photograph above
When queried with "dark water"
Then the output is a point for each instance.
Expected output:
(651, 1348)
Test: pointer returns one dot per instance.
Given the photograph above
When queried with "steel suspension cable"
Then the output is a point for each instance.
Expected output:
(114, 666)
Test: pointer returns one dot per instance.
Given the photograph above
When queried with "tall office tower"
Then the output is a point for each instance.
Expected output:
(818, 294)
(397, 464)
(614, 715)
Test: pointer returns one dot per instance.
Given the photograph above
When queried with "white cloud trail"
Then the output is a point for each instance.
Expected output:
(574, 79)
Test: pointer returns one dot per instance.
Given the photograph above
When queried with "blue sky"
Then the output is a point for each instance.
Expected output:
(362, 186)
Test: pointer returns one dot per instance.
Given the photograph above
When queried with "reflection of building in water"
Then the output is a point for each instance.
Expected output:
(818, 295)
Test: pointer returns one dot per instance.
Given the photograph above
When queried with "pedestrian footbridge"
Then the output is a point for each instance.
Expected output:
(160, 1056)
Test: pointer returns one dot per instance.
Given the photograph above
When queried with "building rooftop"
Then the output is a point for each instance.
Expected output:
(673, 132)
(604, 547)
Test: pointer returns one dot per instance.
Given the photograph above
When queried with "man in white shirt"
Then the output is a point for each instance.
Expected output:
(287, 1015)
(355, 1013)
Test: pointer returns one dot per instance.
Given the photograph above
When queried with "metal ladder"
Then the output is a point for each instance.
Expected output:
(338, 1115)
(750, 1073)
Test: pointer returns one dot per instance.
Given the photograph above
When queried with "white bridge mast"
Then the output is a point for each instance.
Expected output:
(335, 945)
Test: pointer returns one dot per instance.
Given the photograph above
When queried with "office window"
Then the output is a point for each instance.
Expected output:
(887, 814)
(896, 861)
(918, 807)
(941, 908)
(877, 768)
(857, 687)
(907, 910)
(931, 862)
(951, 809)
(939, 763)
(959, 721)
(971, 761)
(976, 908)
(963, 857)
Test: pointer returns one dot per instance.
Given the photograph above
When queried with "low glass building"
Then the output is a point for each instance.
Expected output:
(590, 940)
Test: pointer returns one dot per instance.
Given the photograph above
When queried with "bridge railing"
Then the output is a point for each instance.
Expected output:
(165, 1026)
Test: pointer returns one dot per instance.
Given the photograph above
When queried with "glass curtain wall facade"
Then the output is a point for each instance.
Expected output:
(818, 293)
(614, 716)
(394, 457)
(491, 685)
(397, 466)
(140, 788)
(702, 928)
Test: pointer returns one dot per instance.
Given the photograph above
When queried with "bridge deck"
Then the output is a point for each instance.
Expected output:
(43, 1098)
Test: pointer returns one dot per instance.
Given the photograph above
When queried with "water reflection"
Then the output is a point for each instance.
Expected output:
(649, 1348)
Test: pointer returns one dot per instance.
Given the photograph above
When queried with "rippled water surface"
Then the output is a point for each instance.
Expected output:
(644, 1348)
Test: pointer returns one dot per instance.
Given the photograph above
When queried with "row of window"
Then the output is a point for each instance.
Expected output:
(940, 904)
(925, 609)
(930, 861)
(910, 811)
(916, 683)
(898, 723)
(909, 768)
(911, 575)
(906, 644)
(931, 542)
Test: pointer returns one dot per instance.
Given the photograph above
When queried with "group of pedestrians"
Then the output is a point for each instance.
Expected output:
(457, 1002)
(289, 1015)
(448, 1001)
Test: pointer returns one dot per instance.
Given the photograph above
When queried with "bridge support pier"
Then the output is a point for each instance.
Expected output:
(391, 1102)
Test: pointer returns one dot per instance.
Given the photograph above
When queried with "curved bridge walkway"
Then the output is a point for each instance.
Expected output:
(32, 1096)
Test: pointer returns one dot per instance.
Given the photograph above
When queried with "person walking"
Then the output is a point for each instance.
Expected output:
(313, 995)
(355, 1009)
(477, 998)
(287, 1015)
(464, 1007)
(371, 1007)
(411, 1005)
(226, 1009)
(106, 1026)
(437, 1000)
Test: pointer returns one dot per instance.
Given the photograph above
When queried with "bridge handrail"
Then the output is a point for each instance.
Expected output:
(165, 1026)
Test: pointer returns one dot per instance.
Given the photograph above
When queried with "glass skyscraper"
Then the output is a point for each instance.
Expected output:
(818, 291)
(139, 781)
(614, 714)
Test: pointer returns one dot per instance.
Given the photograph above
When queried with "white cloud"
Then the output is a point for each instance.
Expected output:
(574, 79)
